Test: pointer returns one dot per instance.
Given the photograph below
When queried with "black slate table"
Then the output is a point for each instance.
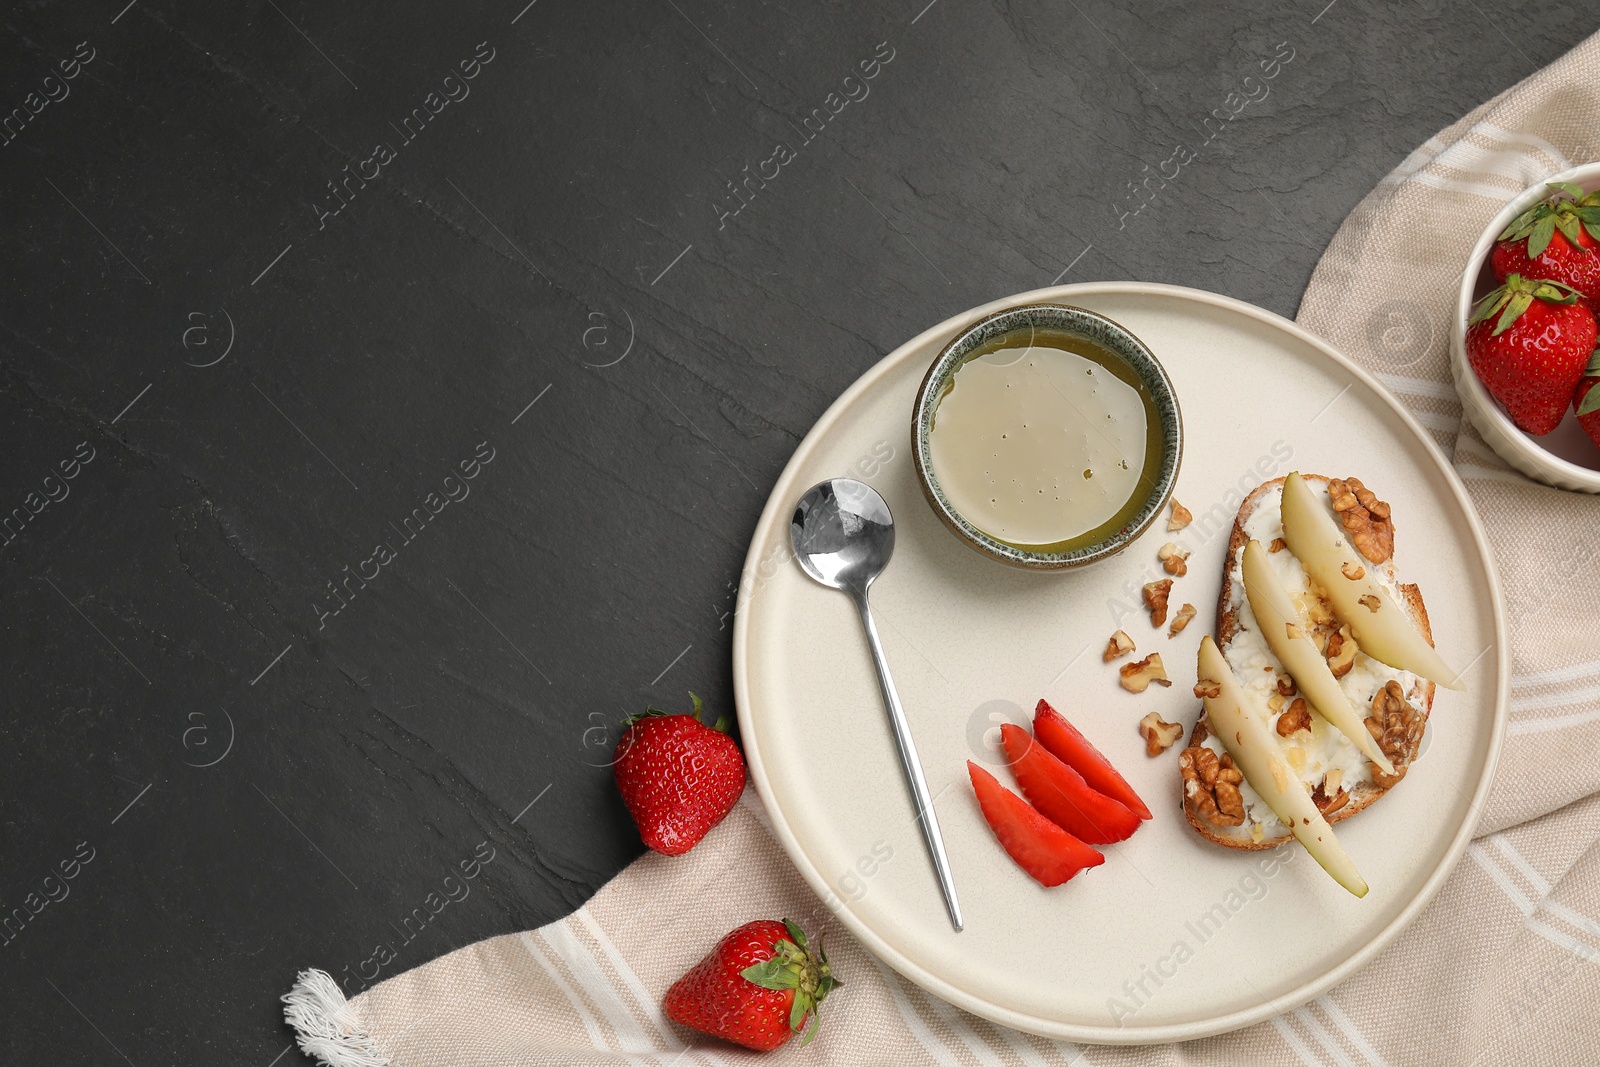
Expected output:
(389, 393)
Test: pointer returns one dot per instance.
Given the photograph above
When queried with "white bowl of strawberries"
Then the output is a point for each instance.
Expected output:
(1523, 347)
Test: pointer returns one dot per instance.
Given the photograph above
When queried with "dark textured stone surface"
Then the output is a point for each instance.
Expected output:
(564, 213)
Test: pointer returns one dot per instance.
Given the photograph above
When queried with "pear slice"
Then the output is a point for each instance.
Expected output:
(1286, 634)
(1255, 750)
(1382, 628)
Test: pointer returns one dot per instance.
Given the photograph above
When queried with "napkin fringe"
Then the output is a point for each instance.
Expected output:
(322, 1020)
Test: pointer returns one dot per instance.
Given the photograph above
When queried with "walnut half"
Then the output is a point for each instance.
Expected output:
(1159, 735)
(1365, 518)
(1174, 560)
(1136, 677)
(1213, 783)
(1397, 727)
(1155, 598)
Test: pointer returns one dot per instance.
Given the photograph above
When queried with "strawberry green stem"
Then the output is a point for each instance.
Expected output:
(1516, 296)
(794, 966)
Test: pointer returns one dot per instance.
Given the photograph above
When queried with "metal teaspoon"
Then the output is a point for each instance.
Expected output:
(843, 536)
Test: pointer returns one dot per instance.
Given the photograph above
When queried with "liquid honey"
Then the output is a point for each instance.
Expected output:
(1045, 441)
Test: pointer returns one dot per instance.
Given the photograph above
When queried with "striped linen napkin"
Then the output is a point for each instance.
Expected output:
(1502, 968)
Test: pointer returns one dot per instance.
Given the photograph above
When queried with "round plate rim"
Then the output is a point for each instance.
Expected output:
(779, 505)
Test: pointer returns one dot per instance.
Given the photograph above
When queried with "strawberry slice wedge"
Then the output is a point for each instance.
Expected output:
(1047, 852)
(1066, 744)
(1061, 795)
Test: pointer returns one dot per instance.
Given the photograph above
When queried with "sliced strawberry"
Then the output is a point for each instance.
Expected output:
(1066, 744)
(1047, 852)
(1061, 794)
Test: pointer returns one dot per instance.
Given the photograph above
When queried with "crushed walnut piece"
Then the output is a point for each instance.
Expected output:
(1207, 687)
(1296, 718)
(1174, 560)
(1179, 621)
(1329, 796)
(1136, 677)
(1370, 602)
(1159, 734)
(1119, 645)
(1365, 518)
(1278, 545)
(1181, 517)
(1341, 652)
(1353, 571)
(1397, 727)
(1285, 685)
(1276, 702)
(1213, 782)
(1155, 598)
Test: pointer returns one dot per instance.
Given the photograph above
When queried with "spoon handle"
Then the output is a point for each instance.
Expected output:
(910, 764)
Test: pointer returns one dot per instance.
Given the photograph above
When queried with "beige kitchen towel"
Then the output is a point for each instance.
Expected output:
(1502, 968)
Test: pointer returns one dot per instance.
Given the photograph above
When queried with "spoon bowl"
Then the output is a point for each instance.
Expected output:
(842, 534)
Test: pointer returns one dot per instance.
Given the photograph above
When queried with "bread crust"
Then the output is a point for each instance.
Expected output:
(1364, 794)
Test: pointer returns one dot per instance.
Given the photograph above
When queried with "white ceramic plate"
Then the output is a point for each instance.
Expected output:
(1172, 938)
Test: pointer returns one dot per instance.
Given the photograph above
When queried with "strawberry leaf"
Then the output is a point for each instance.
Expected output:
(797, 935)
(1518, 303)
(1554, 292)
(695, 714)
(772, 974)
(1489, 304)
(1569, 226)
(1539, 239)
(1571, 189)
(1520, 225)
(797, 1013)
(1591, 371)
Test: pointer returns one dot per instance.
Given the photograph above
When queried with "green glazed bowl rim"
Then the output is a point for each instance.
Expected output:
(1079, 322)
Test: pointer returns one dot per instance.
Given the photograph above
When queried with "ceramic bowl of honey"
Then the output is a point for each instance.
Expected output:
(1047, 437)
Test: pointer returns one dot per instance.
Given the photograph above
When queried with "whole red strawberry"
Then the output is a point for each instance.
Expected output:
(1532, 354)
(678, 777)
(1557, 239)
(756, 987)
(1586, 401)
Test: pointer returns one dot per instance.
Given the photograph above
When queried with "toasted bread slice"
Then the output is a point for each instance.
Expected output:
(1359, 782)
